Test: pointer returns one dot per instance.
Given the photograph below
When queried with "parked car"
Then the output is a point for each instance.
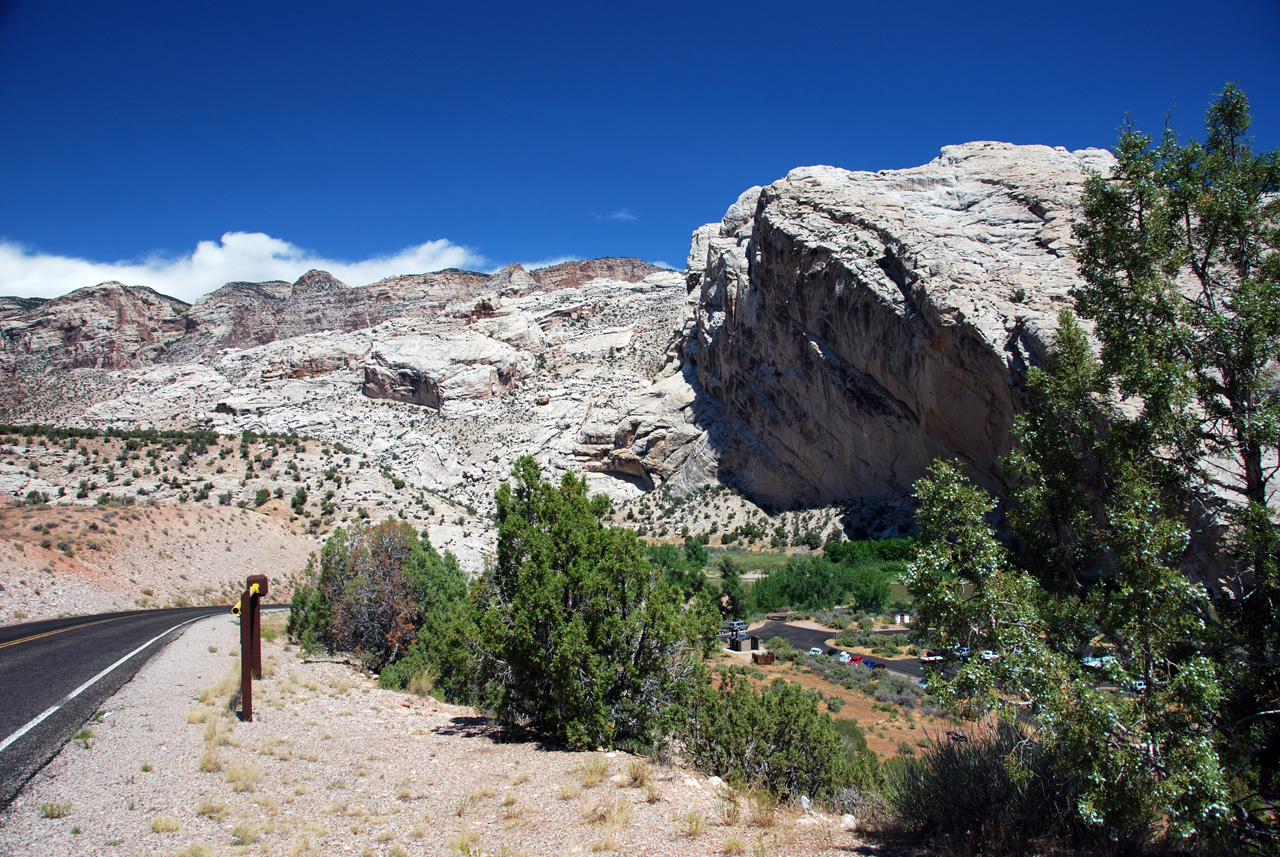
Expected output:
(988, 655)
(1139, 687)
(734, 626)
(873, 665)
(855, 659)
(845, 658)
(1097, 663)
(964, 653)
(815, 651)
(932, 656)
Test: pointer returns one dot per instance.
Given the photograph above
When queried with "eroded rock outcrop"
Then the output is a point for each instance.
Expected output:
(854, 326)
(431, 369)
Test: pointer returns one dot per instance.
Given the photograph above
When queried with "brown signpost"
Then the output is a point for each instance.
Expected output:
(249, 609)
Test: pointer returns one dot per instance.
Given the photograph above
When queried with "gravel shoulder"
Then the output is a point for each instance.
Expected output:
(334, 765)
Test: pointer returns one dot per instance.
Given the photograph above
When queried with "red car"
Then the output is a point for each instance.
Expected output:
(855, 659)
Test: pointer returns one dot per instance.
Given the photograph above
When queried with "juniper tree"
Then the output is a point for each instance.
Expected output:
(1182, 281)
(579, 635)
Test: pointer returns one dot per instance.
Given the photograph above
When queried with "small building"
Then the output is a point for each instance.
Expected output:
(901, 617)
(762, 658)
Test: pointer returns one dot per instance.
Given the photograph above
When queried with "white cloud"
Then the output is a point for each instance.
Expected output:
(658, 263)
(247, 256)
(622, 214)
(547, 263)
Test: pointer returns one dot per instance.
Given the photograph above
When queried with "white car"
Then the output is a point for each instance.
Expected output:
(815, 651)
(988, 655)
(845, 657)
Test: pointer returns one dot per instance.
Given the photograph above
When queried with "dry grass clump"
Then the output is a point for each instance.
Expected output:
(464, 841)
(690, 824)
(466, 804)
(606, 844)
(165, 824)
(243, 777)
(421, 684)
(246, 834)
(638, 771)
(569, 791)
(764, 809)
(594, 770)
(733, 845)
(217, 732)
(226, 687)
(197, 850)
(213, 811)
(55, 810)
(729, 807)
(613, 811)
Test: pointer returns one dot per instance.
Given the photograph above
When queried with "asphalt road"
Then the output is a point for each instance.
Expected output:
(56, 674)
(806, 638)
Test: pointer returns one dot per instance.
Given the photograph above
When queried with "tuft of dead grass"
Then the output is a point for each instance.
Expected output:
(165, 824)
(213, 811)
(243, 777)
(638, 771)
(690, 824)
(594, 770)
(612, 811)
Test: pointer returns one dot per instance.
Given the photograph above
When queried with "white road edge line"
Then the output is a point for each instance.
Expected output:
(25, 729)
(82, 688)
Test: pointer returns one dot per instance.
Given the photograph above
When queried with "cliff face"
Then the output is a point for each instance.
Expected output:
(854, 326)
(841, 330)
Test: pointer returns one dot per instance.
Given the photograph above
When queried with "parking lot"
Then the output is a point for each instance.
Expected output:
(807, 638)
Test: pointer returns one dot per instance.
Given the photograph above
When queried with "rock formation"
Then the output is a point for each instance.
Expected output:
(834, 333)
(854, 326)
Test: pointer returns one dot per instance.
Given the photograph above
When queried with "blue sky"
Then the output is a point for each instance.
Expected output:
(380, 136)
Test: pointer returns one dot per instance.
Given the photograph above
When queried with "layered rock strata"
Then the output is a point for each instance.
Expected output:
(853, 326)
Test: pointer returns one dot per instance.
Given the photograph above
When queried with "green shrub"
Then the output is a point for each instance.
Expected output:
(579, 635)
(375, 588)
(776, 739)
(996, 791)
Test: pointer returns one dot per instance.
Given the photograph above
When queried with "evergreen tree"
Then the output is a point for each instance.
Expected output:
(579, 635)
(1182, 280)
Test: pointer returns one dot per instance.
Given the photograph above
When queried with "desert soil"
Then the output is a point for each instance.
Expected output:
(334, 765)
(80, 559)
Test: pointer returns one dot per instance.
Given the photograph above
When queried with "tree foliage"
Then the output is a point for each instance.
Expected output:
(1140, 760)
(1143, 505)
(775, 739)
(579, 635)
(812, 582)
(1182, 280)
(375, 588)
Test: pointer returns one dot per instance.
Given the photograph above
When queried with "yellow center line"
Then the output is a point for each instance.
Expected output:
(59, 631)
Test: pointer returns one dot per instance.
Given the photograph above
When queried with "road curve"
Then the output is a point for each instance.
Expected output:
(57, 673)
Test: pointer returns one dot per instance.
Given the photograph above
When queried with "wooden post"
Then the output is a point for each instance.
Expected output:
(249, 608)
